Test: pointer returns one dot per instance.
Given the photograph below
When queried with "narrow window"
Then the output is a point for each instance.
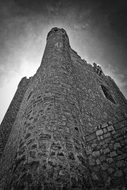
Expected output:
(107, 94)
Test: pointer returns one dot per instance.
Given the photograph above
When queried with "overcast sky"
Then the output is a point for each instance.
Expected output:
(97, 30)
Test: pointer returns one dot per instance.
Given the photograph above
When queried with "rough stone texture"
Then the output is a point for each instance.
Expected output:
(10, 116)
(70, 131)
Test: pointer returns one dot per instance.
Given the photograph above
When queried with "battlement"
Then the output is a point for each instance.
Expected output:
(98, 69)
(55, 30)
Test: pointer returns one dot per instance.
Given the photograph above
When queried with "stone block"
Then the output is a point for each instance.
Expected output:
(117, 145)
(43, 136)
(96, 168)
(94, 176)
(98, 162)
(101, 137)
(110, 128)
(109, 160)
(118, 173)
(88, 150)
(107, 150)
(107, 135)
(113, 154)
(120, 125)
(105, 130)
(107, 140)
(102, 158)
(41, 155)
(99, 126)
(91, 137)
(56, 146)
(120, 163)
(104, 125)
(125, 140)
(103, 143)
(111, 146)
(91, 161)
(110, 170)
(122, 143)
(94, 145)
(33, 164)
(122, 156)
(104, 166)
(109, 123)
(113, 132)
(96, 153)
(99, 132)
(69, 146)
(32, 154)
(34, 146)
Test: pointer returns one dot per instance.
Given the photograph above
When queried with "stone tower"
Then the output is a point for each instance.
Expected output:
(66, 127)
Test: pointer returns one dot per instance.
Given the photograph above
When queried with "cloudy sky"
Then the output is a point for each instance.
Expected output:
(97, 30)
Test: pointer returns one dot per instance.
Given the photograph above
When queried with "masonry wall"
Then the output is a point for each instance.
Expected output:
(10, 116)
(104, 126)
(70, 131)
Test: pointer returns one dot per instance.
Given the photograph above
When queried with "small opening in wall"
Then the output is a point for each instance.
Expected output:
(76, 128)
(107, 94)
(55, 29)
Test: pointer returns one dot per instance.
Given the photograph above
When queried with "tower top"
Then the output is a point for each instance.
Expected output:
(56, 30)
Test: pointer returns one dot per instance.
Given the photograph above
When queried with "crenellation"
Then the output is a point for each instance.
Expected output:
(97, 69)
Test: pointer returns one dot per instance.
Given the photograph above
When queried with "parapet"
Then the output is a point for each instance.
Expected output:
(57, 30)
(98, 69)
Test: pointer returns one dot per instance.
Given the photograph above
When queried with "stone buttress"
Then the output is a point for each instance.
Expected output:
(10, 116)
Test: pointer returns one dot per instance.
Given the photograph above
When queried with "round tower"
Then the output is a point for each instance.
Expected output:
(49, 150)
(70, 129)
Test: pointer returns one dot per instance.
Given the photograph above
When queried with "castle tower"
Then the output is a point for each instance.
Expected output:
(69, 130)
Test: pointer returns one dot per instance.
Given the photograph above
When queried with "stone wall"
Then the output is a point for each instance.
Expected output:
(106, 149)
(10, 116)
(70, 130)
